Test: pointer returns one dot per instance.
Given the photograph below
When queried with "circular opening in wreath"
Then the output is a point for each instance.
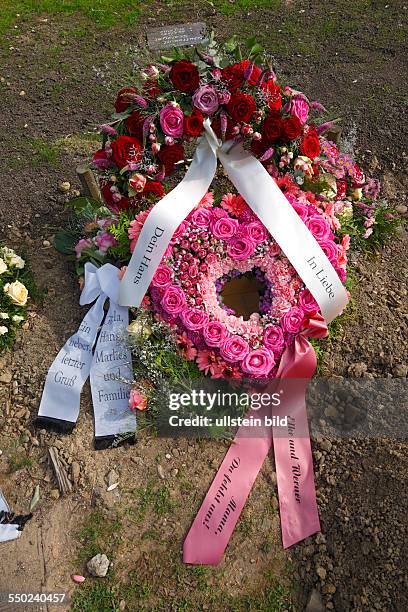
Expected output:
(242, 294)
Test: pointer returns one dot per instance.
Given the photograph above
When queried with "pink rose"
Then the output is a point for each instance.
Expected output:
(104, 241)
(318, 227)
(179, 231)
(240, 248)
(300, 208)
(194, 319)
(201, 217)
(137, 400)
(172, 120)
(307, 302)
(292, 320)
(330, 249)
(256, 232)
(214, 333)
(84, 243)
(258, 363)
(206, 99)
(224, 228)
(163, 276)
(299, 108)
(273, 338)
(137, 182)
(234, 348)
(173, 300)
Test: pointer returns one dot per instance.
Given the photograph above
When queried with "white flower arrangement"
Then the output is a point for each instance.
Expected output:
(14, 294)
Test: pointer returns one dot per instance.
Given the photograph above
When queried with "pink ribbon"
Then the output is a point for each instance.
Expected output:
(215, 521)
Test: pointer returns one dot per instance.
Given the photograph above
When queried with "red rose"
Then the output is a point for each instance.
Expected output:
(123, 100)
(273, 94)
(358, 179)
(241, 107)
(134, 125)
(291, 128)
(259, 147)
(184, 76)
(272, 127)
(153, 187)
(233, 76)
(341, 185)
(169, 155)
(310, 145)
(193, 125)
(216, 126)
(126, 149)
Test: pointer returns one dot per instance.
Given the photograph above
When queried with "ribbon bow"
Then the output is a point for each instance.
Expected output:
(96, 350)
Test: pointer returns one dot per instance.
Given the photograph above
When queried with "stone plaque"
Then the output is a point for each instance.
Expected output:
(183, 35)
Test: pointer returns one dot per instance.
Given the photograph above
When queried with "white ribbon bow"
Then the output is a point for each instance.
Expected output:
(267, 201)
(109, 365)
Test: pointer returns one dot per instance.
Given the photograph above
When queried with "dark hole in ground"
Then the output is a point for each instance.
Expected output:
(242, 294)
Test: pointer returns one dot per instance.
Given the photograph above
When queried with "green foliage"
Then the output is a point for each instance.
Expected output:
(43, 153)
(104, 13)
(98, 535)
(121, 252)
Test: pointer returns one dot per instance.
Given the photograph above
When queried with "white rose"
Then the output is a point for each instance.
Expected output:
(4, 315)
(3, 330)
(17, 293)
(17, 318)
(140, 330)
(3, 266)
(17, 262)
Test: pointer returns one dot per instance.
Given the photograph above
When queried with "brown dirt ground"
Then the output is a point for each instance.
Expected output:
(352, 60)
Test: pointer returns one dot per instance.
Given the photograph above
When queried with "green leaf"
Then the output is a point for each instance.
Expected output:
(65, 242)
(255, 50)
(83, 203)
(231, 44)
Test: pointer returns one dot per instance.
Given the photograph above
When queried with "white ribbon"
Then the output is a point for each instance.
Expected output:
(109, 365)
(265, 198)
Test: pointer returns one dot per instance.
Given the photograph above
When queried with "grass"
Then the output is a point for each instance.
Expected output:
(104, 13)
(98, 535)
